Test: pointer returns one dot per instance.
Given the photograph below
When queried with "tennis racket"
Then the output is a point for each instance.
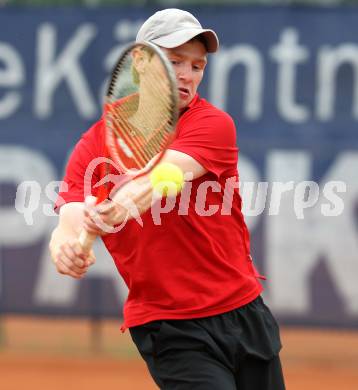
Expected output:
(140, 114)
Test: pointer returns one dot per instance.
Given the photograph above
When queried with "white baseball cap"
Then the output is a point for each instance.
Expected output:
(173, 27)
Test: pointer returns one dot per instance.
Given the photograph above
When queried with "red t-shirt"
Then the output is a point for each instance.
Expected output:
(196, 262)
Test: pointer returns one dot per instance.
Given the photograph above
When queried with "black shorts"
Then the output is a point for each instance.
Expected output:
(234, 350)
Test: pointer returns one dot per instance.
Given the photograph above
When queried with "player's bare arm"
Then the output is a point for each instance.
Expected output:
(138, 193)
(65, 250)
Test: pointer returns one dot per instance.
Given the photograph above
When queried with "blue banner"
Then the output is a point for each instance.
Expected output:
(288, 77)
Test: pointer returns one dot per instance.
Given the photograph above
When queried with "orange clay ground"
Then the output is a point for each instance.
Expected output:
(44, 354)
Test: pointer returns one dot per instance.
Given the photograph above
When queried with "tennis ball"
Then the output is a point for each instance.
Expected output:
(167, 179)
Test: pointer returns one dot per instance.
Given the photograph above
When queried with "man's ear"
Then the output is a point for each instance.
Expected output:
(140, 60)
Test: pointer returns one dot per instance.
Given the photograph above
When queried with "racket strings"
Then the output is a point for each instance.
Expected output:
(159, 103)
(153, 129)
(162, 106)
(123, 130)
(133, 138)
(140, 117)
(136, 140)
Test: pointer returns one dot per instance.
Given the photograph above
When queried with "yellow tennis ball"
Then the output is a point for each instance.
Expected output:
(167, 179)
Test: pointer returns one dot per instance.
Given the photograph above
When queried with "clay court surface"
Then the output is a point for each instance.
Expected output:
(39, 354)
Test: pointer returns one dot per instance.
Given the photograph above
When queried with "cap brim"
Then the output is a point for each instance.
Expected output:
(178, 38)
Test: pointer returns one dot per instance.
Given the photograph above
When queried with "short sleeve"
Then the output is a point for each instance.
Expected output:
(209, 136)
(82, 171)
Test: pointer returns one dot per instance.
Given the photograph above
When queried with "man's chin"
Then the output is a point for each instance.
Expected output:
(183, 103)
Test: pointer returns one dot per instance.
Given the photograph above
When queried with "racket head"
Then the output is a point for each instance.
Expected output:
(141, 108)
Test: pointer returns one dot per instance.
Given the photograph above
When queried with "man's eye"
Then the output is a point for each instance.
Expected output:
(174, 62)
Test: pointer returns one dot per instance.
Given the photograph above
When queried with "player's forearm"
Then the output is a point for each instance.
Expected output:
(69, 226)
(66, 251)
(138, 194)
(134, 198)
(131, 200)
(60, 235)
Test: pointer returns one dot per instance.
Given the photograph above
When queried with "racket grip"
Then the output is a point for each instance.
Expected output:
(86, 241)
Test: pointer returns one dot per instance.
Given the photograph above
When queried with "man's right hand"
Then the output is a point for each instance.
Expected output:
(65, 249)
(70, 259)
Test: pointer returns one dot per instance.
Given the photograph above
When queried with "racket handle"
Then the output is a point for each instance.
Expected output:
(86, 240)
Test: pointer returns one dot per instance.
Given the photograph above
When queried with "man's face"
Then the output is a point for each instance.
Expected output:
(189, 61)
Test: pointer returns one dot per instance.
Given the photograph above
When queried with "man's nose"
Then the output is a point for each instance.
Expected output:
(184, 72)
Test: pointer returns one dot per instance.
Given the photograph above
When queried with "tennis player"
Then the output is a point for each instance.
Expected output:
(194, 308)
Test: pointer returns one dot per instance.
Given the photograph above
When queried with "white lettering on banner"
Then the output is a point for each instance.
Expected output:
(52, 289)
(341, 250)
(30, 166)
(12, 75)
(330, 60)
(292, 253)
(295, 246)
(288, 55)
(16, 165)
(54, 67)
(51, 71)
(221, 66)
